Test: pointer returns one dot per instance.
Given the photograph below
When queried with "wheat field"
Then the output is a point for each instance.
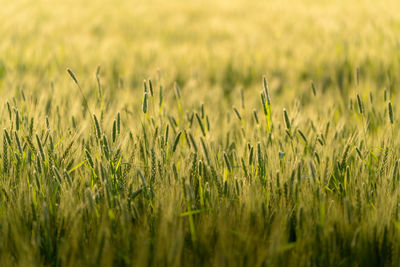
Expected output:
(199, 133)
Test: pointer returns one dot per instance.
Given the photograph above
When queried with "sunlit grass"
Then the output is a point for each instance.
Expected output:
(144, 133)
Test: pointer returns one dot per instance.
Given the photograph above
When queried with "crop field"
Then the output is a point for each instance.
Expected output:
(199, 133)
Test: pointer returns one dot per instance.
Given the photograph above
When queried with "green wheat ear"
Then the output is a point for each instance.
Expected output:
(287, 121)
(5, 155)
(314, 90)
(79, 87)
(227, 162)
(119, 123)
(145, 103)
(114, 131)
(72, 76)
(360, 104)
(151, 88)
(176, 141)
(97, 127)
(237, 113)
(391, 116)
(98, 81)
(266, 91)
(7, 136)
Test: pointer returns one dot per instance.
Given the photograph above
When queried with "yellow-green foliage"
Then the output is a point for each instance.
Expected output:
(163, 145)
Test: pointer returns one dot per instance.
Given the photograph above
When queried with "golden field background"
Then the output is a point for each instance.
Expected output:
(215, 44)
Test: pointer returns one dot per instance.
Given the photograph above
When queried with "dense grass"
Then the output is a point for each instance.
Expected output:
(204, 162)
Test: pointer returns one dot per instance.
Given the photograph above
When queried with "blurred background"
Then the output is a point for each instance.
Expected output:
(212, 45)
